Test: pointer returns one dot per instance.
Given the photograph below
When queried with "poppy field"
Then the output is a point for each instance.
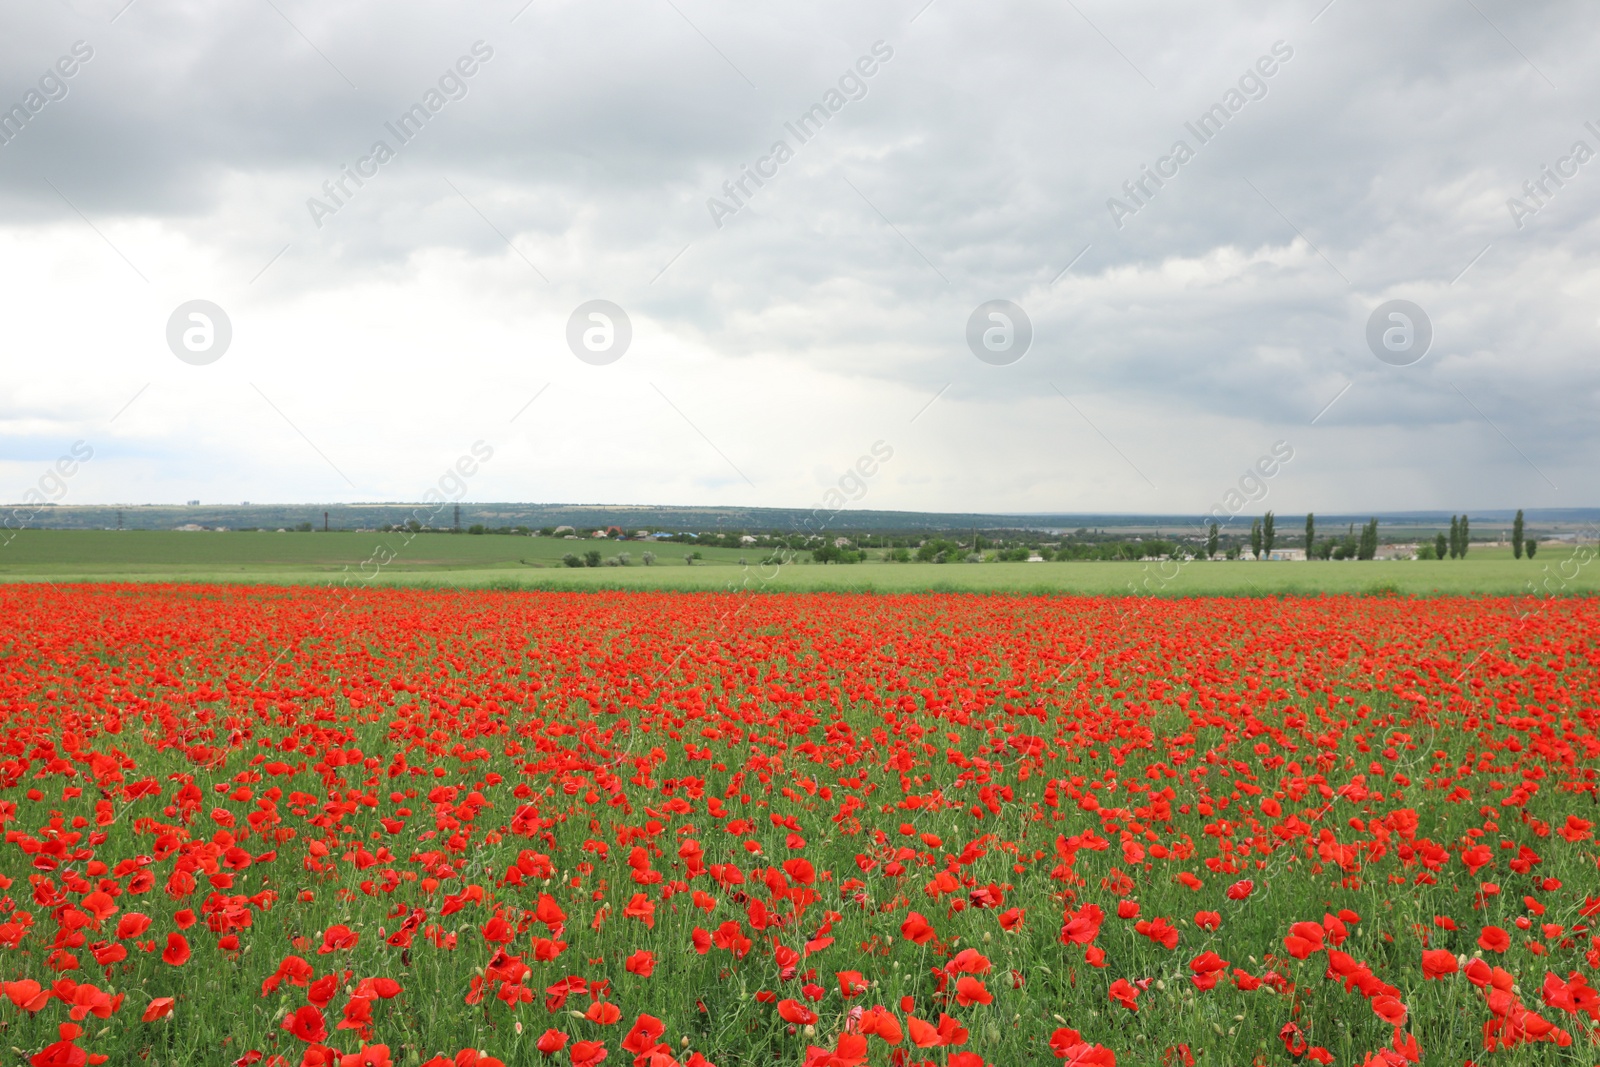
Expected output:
(277, 826)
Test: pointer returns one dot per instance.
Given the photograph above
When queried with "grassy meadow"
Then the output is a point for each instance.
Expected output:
(472, 561)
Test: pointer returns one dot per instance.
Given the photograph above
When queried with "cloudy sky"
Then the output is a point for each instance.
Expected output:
(558, 153)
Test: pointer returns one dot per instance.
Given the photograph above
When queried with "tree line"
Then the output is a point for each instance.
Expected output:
(1364, 545)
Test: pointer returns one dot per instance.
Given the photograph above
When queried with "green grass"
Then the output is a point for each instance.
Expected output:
(535, 562)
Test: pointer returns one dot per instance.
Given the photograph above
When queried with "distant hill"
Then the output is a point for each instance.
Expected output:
(699, 519)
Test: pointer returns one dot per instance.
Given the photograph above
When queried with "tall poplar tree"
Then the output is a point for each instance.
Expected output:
(1368, 547)
(1311, 533)
(1516, 535)
(1255, 537)
(1268, 533)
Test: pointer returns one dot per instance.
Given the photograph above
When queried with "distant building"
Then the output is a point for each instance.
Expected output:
(559, 530)
(194, 503)
(1287, 554)
(746, 539)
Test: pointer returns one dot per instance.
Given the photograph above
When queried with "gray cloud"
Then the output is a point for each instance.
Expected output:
(1228, 309)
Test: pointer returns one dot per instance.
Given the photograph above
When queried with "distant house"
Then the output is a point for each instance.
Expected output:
(841, 542)
(559, 530)
(746, 539)
(1287, 554)
(1036, 558)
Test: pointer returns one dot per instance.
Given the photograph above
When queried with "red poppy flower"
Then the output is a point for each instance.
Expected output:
(881, 1023)
(1389, 1009)
(1494, 939)
(923, 1034)
(1437, 963)
(1207, 968)
(1125, 993)
(1082, 926)
(1304, 939)
(643, 1035)
(851, 984)
(26, 994)
(369, 1056)
(915, 928)
(132, 924)
(307, 1024)
(970, 991)
(336, 937)
(1158, 930)
(177, 950)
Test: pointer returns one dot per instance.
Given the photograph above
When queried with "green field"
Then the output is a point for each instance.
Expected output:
(535, 562)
